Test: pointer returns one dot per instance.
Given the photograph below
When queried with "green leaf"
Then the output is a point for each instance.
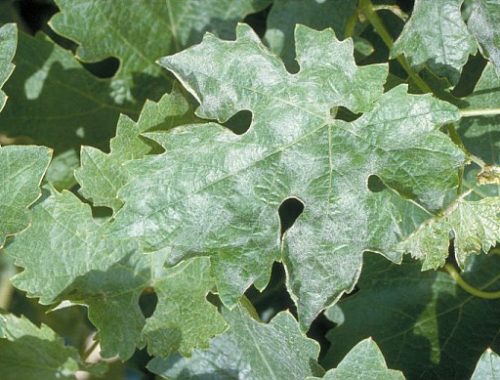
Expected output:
(118, 29)
(8, 42)
(216, 193)
(54, 101)
(248, 350)
(483, 23)
(473, 226)
(101, 175)
(488, 367)
(316, 14)
(31, 353)
(364, 361)
(436, 36)
(21, 171)
(481, 132)
(423, 322)
(95, 270)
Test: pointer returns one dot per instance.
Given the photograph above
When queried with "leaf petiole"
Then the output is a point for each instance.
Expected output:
(366, 7)
(469, 288)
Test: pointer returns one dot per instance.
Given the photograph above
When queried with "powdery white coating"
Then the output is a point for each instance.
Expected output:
(230, 187)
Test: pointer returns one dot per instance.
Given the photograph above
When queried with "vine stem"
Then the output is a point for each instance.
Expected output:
(366, 7)
(469, 288)
(480, 112)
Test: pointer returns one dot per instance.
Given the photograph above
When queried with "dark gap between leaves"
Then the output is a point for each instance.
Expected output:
(274, 298)
(318, 331)
(258, 21)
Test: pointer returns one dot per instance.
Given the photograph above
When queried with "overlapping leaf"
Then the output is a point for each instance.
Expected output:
(8, 42)
(424, 323)
(364, 361)
(216, 193)
(285, 14)
(483, 23)
(248, 350)
(69, 256)
(31, 353)
(21, 171)
(101, 175)
(474, 226)
(488, 367)
(436, 36)
(54, 101)
(119, 29)
(21, 168)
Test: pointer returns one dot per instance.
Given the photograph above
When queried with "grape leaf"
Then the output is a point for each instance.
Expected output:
(21, 171)
(425, 325)
(225, 205)
(488, 367)
(483, 23)
(31, 353)
(52, 80)
(117, 29)
(70, 256)
(248, 350)
(8, 42)
(436, 36)
(364, 361)
(473, 226)
(54, 101)
(285, 14)
(101, 175)
(481, 133)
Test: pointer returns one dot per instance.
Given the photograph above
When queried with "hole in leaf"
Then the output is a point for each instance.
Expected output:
(239, 122)
(106, 68)
(343, 113)
(289, 210)
(101, 212)
(375, 184)
(148, 301)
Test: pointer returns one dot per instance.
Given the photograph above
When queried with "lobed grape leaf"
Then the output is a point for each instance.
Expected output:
(364, 361)
(316, 14)
(488, 367)
(481, 133)
(483, 23)
(473, 226)
(248, 350)
(101, 175)
(67, 255)
(436, 36)
(21, 171)
(8, 42)
(424, 323)
(31, 353)
(54, 101)
(21, 168)
(118, 29)
(224, 205)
